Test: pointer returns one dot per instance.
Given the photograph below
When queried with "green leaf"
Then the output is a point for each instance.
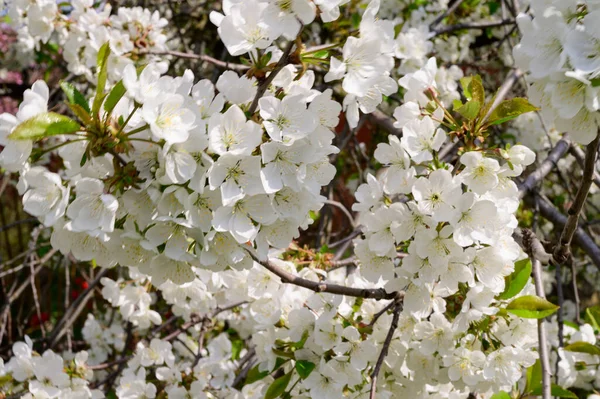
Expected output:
(556, 391)
(464, 83)
(102, 71)
(473, 88)
(583, 347)
(74, 96)
(592, 316)
(255, 375)
(277, 388)
(534, 377)
(114, 96)
(515, 282)
(510, 109)
(595, 82)
(81, 113)
(236, 348)
(44, 125)
(501, 395)
(321, 54)
(469, 110)
(304, 368)
(477, 90)
(531, 307)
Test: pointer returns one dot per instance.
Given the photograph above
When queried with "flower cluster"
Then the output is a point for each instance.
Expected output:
(559, 50)
(81, 27)
(191, 190)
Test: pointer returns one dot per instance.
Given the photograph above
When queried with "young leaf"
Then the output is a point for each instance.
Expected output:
(531, 307)
(255, 374)
(102, 71)
(583, 347)
(592, 316)
(510, 109)
(304, 368)
(81, 113)
(74, 96)
(556, 391)
(534, 377)
(469, 110)
(476, 89)
(321, 54)
(277, 388)
(464, 83)
(44, 125)
(114, 96)
(501, 395)
(515, 282)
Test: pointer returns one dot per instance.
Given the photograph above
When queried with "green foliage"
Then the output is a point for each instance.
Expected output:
(74, 96)
(44, 125)
(255, 375)
(114, 96)
(501, 395)
(556, 391)
(510, 109)
(477, 115)
(304, 368)
(534, 377)
(515, 282)
(592, 316)
(583, 347)
(531, 307)
(102, 71)
(277, 388)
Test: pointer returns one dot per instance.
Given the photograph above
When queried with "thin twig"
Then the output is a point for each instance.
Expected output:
(74, 310)
(448, 12)
(474, 25)
(542, 336)
(206, 58)
(262, 88)
(344, 210)
(386, 347)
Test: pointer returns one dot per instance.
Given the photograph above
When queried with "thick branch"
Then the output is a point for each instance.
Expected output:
(581, 238)
(559, 150)
(579, 155)
(562, 251)
(320, 286)
(385, 122)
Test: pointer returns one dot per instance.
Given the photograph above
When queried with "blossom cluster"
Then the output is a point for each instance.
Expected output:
(559, 50)
(191, 189)
(81, 27)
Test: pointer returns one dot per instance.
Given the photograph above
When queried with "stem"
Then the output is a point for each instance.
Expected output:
(135, 108)
(139, 129)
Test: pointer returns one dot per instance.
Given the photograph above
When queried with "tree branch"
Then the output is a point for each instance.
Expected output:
(262, 88)
(562, 251)
(385, 348)
(559, 151)
(320, 286)
(482, 25)
(206, 58)
(550, 213)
